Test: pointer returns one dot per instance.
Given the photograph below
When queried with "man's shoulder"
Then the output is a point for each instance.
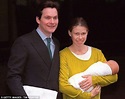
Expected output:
(26, 37)
(28, 34)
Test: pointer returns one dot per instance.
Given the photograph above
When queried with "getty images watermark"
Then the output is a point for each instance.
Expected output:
(19, 97)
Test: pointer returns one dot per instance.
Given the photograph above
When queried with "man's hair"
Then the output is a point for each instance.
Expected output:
(46, 4)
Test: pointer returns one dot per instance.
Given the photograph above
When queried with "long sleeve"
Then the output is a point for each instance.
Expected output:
(71, 65)
(104, 80)
(16, 65)
(64, 86)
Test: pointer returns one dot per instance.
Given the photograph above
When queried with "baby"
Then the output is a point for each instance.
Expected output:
(98, 69)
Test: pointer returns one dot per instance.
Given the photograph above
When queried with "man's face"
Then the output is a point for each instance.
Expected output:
(48, 21)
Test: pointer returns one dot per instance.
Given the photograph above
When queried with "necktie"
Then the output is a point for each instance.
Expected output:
(48, 46)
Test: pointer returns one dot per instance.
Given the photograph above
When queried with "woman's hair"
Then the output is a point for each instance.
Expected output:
(46, 4)
(78, 21)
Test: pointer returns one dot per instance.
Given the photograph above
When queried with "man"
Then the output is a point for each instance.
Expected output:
(30, 63)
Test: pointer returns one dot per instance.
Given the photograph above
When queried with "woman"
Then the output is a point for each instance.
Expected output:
(77, 58)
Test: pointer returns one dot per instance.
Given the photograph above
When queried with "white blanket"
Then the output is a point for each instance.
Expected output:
(97, 69)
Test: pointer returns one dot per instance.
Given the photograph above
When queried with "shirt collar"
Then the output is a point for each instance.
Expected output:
(41, 34)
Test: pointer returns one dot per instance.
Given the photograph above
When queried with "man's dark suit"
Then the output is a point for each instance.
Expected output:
(30, 64)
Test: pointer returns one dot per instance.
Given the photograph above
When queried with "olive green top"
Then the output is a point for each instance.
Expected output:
(70, 65)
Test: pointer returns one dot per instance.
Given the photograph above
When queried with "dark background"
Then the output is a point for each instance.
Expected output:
(106, 20)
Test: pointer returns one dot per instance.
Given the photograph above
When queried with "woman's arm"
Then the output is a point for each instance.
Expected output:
(104, 80)
(64, 85)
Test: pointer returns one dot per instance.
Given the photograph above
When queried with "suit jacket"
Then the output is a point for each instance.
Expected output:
(30, 64)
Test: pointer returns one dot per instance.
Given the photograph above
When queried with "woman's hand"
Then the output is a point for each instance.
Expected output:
(86, 83)
(95, 91)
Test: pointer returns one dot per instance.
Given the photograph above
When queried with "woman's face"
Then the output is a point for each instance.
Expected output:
(78, 35)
